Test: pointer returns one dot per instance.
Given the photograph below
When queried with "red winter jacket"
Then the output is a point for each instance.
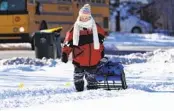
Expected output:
(84, 55)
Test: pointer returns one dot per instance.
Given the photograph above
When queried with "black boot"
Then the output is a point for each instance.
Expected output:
(79, 86)
(92, 86)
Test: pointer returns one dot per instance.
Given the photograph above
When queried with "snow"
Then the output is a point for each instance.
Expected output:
(142, 1)
(132, 103)
(146, 42)
(17, 46)
(46, 84)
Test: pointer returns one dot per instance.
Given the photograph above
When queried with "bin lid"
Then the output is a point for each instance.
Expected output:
(57, 29)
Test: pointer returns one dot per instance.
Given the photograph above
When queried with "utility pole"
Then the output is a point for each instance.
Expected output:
(117, 17)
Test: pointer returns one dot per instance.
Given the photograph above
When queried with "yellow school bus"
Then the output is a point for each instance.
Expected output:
(19, 19)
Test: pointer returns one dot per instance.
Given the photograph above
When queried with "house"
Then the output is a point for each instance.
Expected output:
(159, 14)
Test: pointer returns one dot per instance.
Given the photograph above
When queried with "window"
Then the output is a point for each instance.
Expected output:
(83, 1)
(61, 1)
(65, 0)
(16, 5)
(93, 1)
(98, 1)
(3, 5)
(103, 1)
(31, 1)
(13, 5)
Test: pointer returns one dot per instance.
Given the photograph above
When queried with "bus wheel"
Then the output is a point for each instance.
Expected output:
(43, 25)
(136, 30)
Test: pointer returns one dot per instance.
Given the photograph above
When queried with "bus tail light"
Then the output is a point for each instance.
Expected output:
(21, 29)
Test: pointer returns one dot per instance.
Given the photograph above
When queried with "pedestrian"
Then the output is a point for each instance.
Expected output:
(85, 41)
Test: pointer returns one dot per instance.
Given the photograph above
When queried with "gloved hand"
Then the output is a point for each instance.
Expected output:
(64, 57)
(103, 53)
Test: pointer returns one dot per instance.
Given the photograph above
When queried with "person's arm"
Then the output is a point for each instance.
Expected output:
(102, 36)
(67, 46)
(101, 33)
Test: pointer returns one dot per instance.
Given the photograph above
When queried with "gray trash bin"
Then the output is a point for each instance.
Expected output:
(45, 45)
(58, 44)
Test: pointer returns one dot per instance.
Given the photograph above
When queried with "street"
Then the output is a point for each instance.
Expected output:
(117, 50)
(6, 54)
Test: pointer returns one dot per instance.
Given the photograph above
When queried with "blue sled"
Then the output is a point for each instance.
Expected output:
(111, 76)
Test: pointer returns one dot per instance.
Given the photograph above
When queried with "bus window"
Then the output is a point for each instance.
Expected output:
(103, 1)
(88, 1)
(93, 1)
(31, 1)
(98, 1)
(17, 5)
(83, 1)
(3, 5)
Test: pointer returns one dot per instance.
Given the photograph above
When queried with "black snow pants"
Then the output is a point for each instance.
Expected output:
(89, 74)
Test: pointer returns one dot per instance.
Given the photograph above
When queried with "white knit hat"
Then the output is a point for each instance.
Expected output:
(85, 10)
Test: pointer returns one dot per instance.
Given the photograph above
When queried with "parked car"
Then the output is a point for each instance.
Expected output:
(129, 23)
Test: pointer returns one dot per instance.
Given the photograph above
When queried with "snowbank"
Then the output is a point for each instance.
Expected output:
(130, 59)
(157, 56)
(18, 64)
(138, 42)
(162, 56)
(28, 61)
